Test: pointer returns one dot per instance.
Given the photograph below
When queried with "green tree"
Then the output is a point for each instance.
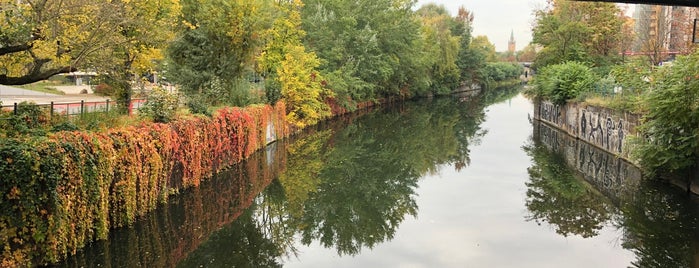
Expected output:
(527, 54)
(136, 48)
(484, 47)
(469, 60)
(442, 45)
(215, 46)
(368, 49)
(578, 31)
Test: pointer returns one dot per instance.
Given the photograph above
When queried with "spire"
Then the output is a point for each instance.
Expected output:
(511, 44)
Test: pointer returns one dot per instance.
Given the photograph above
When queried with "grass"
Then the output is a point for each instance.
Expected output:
(620, 102)
(43, 86)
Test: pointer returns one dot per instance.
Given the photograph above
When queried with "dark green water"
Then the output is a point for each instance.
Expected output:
(452, 182)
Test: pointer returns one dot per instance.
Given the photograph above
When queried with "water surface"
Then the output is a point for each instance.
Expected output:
(450, 182)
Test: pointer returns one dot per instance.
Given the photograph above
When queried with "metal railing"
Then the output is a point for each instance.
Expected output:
(80, 108)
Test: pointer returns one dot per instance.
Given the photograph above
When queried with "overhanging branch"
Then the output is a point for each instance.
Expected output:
(34, 76)
(14, 49)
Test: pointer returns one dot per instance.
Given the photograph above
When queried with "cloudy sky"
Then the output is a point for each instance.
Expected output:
(498, 18)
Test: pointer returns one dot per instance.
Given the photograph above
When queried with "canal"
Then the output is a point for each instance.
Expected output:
(446, 182)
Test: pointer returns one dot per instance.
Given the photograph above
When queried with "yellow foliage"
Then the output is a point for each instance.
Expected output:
(301, 87)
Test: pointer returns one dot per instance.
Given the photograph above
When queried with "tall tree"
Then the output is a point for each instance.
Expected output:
(483, 46)
(293, 68)
(442, 42)
(367, 48)
(216, 44)
(469, 60)
(137, 44)
(527, 54)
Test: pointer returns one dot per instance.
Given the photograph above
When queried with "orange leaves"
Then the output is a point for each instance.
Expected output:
(14, 193)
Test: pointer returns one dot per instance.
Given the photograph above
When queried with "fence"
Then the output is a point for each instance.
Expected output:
(80, 108)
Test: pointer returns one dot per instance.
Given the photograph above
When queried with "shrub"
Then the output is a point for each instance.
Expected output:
(28, 119)
(103, 89)
(669, 130)
(494, 72)
(198, 106)
(561, 82)
(161, 105)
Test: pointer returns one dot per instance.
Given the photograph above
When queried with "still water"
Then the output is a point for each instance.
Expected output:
(450, 182)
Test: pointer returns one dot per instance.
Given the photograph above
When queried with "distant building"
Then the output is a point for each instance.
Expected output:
(663, 31)
(511, 45)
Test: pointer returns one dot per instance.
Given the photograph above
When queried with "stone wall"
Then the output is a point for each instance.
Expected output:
(601, 127)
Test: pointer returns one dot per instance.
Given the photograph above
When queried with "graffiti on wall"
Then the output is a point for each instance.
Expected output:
(602, 130)
(551, 113)
(610, 174)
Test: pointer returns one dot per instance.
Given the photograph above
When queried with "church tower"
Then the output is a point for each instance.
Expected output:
(511, 45)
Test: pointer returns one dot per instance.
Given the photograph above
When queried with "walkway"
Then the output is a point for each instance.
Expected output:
(10, 95)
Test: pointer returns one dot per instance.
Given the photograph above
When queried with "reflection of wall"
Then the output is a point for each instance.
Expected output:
(613, 176)
(600, 127)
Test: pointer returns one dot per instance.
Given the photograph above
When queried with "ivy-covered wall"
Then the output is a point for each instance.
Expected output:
(65, 190)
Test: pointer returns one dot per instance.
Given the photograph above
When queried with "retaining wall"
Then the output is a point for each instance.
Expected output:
(602, 127)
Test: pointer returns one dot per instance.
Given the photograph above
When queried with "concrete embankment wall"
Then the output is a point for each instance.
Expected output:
(614, 177)
(601, 127)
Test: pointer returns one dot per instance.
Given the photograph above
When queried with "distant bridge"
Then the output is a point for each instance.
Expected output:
(636, 53)
(689, 3)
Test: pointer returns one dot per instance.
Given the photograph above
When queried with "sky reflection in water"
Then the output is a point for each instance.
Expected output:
(440, 183)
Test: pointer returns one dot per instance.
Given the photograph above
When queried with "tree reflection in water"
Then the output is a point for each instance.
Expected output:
(351, 186)
(556, 196)
(347, 185)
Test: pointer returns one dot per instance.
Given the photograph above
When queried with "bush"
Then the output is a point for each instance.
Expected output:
(161, 105)
(669, 130)
(29, 119)
(103, 89)
(561, 82)
(494, 72)
(198, 106)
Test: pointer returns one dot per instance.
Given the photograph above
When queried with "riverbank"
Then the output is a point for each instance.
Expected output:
(604, 128)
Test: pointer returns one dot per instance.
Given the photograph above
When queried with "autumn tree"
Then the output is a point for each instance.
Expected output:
(291, 67)
(42, 38)
(483, 46)
(137, 45)
(469, 59)
(527, 54)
